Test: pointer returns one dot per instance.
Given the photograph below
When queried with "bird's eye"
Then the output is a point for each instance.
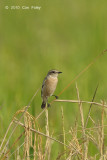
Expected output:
(53, 71)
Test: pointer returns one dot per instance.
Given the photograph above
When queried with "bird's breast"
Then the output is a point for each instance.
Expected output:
(50, 86)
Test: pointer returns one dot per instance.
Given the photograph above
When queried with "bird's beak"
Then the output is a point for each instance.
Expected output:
(59, 72)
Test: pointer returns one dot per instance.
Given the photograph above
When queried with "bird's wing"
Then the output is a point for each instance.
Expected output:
(43, 84)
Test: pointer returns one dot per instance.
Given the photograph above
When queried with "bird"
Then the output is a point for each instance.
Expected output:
(48, 86)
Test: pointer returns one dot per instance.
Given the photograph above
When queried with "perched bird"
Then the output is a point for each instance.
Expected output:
(49, 86)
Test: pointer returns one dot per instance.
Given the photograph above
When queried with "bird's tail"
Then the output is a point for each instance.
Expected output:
(43, 105)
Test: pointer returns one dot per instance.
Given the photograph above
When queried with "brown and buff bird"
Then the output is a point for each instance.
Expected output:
(49, 86)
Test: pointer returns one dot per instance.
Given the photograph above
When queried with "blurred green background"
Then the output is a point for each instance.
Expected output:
(64, 35)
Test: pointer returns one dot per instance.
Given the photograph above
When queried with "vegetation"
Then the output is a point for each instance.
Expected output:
(66, 36)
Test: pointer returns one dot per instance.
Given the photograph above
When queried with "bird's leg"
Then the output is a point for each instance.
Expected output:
(55, 96)
(48, 105)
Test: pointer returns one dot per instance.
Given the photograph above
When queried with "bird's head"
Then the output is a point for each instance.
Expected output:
(54, 73)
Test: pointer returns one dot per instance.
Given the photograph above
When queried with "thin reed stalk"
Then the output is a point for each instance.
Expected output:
(90, 107)
(48, 141)
(62, 113)
(81, 101)
(102, 134)
(5, 137)
(85, 150)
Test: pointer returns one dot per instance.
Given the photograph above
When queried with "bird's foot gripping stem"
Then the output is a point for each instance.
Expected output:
(55, 96)
(48, 105)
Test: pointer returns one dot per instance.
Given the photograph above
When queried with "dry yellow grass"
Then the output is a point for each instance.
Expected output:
(76, 148)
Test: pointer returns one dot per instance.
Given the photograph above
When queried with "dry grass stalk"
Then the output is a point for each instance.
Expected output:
(3, 151)
(16, 151)
(41, 113)
(35, 139)
(81, 110)
(92, 121)
(74, 142)
(63, 128)
(72, 156)
(85, 150)
(105, 156)
(27, 137)
(60, 155)
(92, 138)
(39, 146)
(48, 141)
(76, 101)
(90, 107)
(18, 154)
(92, 128)
(101, 132)
(83, 71)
